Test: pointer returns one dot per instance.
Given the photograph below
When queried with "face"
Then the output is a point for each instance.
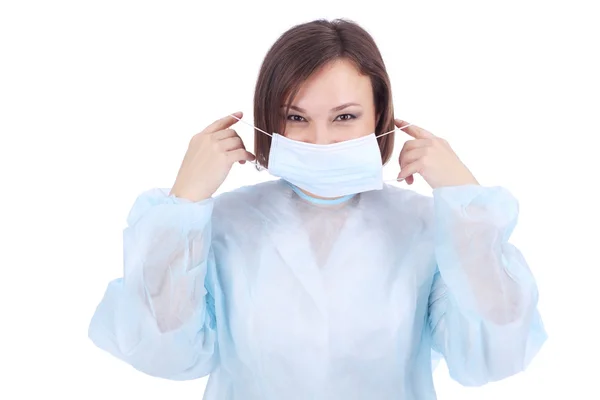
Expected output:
(334, 105)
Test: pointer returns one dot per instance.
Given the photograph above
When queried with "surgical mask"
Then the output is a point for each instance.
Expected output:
(331, 170)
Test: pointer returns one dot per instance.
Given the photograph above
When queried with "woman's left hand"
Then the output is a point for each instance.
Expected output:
(432, 158)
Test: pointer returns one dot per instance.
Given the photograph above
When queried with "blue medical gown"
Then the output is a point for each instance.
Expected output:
(277, 297)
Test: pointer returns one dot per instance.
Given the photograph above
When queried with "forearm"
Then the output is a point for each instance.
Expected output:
(486, 275)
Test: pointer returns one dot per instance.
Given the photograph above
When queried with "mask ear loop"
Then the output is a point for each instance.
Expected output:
(261, 168)
(387, 133)
(258, 166)
(393, 130)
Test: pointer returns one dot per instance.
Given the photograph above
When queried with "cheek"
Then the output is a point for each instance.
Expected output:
(295, 132)
(299, 134)
(352, 133)
(362, 127)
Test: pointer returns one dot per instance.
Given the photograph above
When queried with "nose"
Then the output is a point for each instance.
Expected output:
(318, 134)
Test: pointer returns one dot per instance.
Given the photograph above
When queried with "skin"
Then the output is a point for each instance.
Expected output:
(336, 104)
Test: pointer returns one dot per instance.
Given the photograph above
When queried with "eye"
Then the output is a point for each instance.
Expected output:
(295, 118)
(346, 117)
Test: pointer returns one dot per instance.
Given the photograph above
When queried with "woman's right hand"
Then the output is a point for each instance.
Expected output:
(208, 160)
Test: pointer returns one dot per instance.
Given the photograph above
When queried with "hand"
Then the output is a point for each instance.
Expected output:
(208, 160)
(432, 158)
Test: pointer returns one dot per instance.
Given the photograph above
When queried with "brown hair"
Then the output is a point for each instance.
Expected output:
(301, 51)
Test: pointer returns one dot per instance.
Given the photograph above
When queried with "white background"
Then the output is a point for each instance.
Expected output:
(98, 100)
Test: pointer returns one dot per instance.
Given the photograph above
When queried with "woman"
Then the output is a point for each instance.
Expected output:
(327, 283)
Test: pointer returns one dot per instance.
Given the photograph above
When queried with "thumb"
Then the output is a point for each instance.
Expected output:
(224, 122)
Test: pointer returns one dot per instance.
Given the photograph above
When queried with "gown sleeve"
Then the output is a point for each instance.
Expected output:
(159, 316)
(483, 312)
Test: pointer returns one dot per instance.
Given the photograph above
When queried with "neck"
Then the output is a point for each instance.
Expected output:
(318, 199)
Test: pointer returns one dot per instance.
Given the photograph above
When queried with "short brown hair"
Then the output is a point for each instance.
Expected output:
(301, 51)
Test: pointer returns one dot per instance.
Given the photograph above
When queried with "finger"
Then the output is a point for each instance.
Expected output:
(401, 124)
(398, 179)
(412, 156)
(417, 143)
(407, 157)
(239, 155)
(223, 123)
(410, 169)
(412, 145)
(225, 134)
(232, 143)
(413, 130)
(409, 179)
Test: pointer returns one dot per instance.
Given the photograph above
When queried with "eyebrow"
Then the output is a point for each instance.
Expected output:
(338, 108)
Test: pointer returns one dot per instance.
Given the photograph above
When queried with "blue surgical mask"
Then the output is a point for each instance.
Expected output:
(329, 170)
